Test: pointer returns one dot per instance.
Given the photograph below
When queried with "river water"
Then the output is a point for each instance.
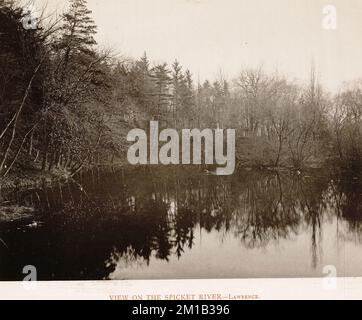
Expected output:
(177, 223)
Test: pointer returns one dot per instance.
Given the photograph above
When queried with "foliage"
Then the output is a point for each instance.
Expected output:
(66, 104)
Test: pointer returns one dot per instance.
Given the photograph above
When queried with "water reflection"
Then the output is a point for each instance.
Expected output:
(179, 223)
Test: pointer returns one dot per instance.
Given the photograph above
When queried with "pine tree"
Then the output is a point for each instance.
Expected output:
(78, 84)
(177, 90)
(144, 82)
(189, 97)
(75, 50)
(79, 29)
(162, 80)
(144, 64)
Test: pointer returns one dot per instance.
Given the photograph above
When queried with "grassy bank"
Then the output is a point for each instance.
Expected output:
(31, 178)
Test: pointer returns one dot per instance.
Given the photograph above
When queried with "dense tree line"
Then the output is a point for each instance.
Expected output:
(55, 90)
(65, 104)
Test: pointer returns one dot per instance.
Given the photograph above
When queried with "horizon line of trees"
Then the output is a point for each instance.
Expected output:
(66, 104)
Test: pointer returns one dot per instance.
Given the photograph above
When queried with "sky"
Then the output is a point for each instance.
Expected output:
(213, 36)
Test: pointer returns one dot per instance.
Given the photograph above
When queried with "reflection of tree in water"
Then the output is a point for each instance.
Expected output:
(313, 204)
(263, 210)
(123, 217)
(346, 197)
(125, 259)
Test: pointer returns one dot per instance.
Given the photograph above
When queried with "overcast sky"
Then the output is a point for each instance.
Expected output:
(209, 35)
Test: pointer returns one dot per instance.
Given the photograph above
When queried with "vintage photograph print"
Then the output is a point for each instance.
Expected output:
(180, 139)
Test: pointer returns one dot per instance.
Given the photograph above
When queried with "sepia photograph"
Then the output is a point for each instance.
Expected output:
(180, 140)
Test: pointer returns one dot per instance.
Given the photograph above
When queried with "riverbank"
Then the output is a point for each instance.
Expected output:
(37, 178)
(22, 180)
(32, 178)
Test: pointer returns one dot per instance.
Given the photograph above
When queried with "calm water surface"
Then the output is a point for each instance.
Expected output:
(180, 223)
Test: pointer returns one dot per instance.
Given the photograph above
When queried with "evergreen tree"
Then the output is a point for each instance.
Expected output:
(78, 83)
(177, 91)
(144, 83)
(162, 80)
(79, 29)
(189, 100)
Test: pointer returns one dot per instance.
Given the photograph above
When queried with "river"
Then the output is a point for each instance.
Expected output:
(178, 223)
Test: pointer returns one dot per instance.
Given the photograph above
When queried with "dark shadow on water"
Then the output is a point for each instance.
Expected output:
(86, 230)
